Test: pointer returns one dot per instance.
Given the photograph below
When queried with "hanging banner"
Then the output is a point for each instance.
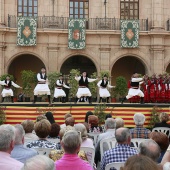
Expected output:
(129, 33)
(27, 31)
(77, 33)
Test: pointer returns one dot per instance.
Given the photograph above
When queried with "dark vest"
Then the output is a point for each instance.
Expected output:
(134, 84)
(61, 82)
(102, 83)
(9, 84)
(45, 77)
(82, 82)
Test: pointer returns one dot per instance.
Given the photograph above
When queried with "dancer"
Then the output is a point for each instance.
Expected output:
(7, 91)
(134, 89)
(83, 89)
(103, 92)
(42, 86)
(59, 92)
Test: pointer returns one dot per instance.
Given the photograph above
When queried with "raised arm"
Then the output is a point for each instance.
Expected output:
(91, 80)
(3, 83)
(77, 78)
(15, 85)
(98, 84)
(64, 85)
(109, 86)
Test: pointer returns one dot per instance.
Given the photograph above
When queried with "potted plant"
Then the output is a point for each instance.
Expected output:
(73, 83)
(28, 80)
(2, 115)
(52, 78)
(93, 87)
(121, 87)
(113, 95)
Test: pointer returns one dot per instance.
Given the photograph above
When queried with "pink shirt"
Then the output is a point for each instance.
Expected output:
(72, 162)
(8, 163)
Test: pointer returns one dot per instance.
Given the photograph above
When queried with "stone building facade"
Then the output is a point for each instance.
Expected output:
(103, 51)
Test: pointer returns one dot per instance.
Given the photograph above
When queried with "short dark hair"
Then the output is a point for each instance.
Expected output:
(87, 115)
(55, 129)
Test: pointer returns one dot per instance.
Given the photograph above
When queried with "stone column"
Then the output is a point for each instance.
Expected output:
(157, 54)
(2, 17)
(157, 14)
(104, 58)
(53, 59)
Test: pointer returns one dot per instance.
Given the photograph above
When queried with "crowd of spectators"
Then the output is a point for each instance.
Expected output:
(153, 153)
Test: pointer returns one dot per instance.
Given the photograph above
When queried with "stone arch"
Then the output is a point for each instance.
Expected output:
(78, 61)
(125, 66)
(85, 57)
(24, 61)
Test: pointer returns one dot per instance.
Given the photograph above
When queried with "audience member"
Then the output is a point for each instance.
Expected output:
(93, 122)
(70, 121)
(139, 162)
(71, 143)
(166, 157)
(162, 140)
(87, 115)
(86, 142)
(119, 122)
(122, 151)
(164, 118)
(139, 131)
(39, 162)
(20, 152)
(55, 129)
(42, 130)
(87, 126)
(108, 116)
(7, 138)
(110, 125)
(40, 117)
(166, 166)
(50, 117)
(65, 117)
(28, 126)
(150, 149)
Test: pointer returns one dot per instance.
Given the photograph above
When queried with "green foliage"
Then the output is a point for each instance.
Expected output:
(2, 115)
(28, 80)
(73, 83)
(102, 73)
(121, 86)
(154, 118)
(93, 85)
(113, 92)
(52, 78)
(3, 77)
(99, 111)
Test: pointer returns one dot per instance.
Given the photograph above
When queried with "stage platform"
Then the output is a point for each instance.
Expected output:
(19, 111)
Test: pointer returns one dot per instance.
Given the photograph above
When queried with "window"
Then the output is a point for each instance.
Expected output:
(129, 9)
(27, 7)
(79, 9)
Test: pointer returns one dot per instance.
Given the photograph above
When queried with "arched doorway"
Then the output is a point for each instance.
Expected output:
(168, 68)
(126, 66)
(24, 62)
(78, 62)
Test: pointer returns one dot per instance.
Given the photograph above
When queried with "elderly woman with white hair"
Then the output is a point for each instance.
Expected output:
(40, 162)
(71, 143)
(139, 131)
(86, 142)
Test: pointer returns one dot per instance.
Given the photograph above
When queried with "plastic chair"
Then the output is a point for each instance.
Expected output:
(106, 144)
(43, 151)
(116, 165)
(94, 136)
(164, 130)
(54, 140)
(136, 141)
(90, 152)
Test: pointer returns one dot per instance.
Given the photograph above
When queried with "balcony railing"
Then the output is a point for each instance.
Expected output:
(53, 22)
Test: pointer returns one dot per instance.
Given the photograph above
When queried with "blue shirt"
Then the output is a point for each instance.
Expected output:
(118, 154)
(22, 153)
